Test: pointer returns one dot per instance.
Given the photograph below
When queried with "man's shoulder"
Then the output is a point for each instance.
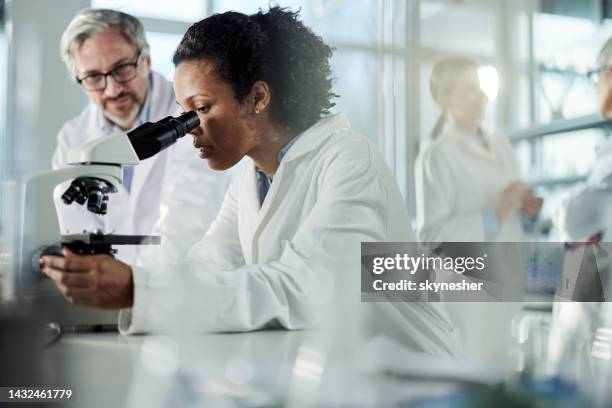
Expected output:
(163, 102)
(74, 128)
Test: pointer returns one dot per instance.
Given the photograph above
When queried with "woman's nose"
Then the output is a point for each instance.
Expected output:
(196, 131)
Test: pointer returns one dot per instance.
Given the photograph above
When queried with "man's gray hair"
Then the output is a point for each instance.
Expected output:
(605, 55)
(93, 21)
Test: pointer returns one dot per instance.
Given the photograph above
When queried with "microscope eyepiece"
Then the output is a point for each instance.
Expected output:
(76, 191)
(190, 120)
(151, 138)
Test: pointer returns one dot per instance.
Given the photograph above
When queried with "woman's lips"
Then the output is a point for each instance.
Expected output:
(205, 151)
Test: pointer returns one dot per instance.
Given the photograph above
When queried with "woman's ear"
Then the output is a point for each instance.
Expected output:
(260, 96)
(442, 101)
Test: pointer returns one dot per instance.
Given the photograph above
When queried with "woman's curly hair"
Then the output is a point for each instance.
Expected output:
(274, 47)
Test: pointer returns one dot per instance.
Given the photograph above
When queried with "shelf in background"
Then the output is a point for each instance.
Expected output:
(560, 181)
(560, 126)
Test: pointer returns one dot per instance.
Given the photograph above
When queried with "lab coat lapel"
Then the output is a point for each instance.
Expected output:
(487, 153)
(310, 140)
(141, 174)
(269, 203)
(162, 104)
(265, 214)
(249, 216)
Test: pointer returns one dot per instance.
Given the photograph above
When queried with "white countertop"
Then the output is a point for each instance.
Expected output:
(264, 368)
(110, 370)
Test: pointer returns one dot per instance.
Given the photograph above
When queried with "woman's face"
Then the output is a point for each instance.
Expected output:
(226, 132)
(604, 89)
(466, 102)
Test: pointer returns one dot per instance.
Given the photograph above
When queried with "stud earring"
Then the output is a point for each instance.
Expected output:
(257, 111)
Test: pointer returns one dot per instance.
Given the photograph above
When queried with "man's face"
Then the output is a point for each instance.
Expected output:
(101, 53)
(604, 90)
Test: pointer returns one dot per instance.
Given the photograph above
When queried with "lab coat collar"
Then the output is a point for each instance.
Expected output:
(162, 105)
(308, 141)
(451, 128)
(478, 142)
(315, 135)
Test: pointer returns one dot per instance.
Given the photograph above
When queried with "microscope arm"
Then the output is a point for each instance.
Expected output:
(40, 223)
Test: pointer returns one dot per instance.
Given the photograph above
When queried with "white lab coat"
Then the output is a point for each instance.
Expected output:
(173, 194)
(457, 179)
(587, 210)
(584, 212)
(281, 264)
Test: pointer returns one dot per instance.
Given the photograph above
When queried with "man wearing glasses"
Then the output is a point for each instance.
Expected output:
(579, 328)
(107, 53)
(586, 213)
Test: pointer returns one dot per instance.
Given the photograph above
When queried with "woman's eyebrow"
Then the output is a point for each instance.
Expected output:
(190, 98)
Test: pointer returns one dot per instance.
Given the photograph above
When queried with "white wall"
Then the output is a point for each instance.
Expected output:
(40, 94)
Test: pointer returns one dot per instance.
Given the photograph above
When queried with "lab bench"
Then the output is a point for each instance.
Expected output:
(110, 370)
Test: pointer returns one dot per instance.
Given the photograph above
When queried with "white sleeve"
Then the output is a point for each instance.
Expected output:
(153, 284)
(435, 194)
(190, 200)
(351, 207)
(580, 215)
(61, 149)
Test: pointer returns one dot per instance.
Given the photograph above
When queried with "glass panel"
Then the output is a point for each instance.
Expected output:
(7, 215)
(554, 160)
(163, 46)
(522, 155)
(565, 49)
(180, 10)
(3, 101)
(339, 21)
(356, 76)
(458, 28)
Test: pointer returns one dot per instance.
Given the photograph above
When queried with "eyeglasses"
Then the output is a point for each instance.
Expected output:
(121, 73)
(594, 74)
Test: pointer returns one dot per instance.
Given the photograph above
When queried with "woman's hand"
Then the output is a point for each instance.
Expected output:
(532, 204)
(96, 280)
(510, 200)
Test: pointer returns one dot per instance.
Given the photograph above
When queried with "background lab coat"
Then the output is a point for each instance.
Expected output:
(588, 208)
(189, 193)
(279, 264)
(457, 179)
(586, 211)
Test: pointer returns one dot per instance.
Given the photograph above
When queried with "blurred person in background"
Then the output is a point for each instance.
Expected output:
(468, 189)
(584, 219)
(467, 184)
(586, 213)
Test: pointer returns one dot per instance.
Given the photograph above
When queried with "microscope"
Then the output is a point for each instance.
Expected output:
(95, 171)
